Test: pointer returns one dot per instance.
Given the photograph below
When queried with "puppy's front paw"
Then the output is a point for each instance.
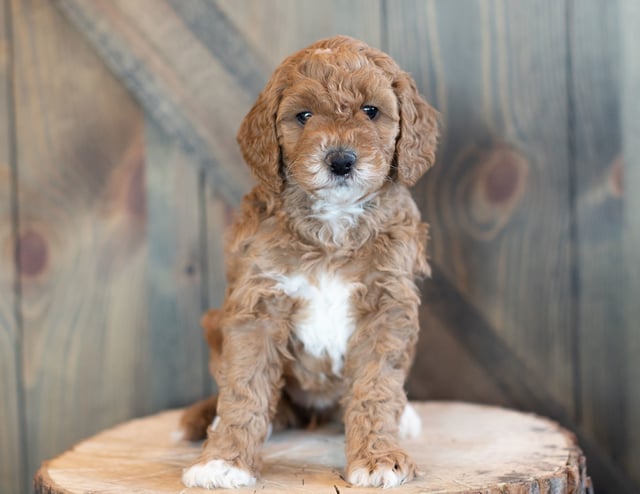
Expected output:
(216, 473)
(389, 470)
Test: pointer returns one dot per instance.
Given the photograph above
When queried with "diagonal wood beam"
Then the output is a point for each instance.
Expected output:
(155, 47)
(444, 301)
(213, 28)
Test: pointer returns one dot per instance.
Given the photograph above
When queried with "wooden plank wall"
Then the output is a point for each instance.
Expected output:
(176, 281)
(629, 86)
(12, 431)
(597, 165)
(80, 221)
(498, 183)
(94, 325)
(115, 192)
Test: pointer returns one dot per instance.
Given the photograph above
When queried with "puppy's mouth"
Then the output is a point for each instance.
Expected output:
(346, 189)
(338, 175)
(343, 181)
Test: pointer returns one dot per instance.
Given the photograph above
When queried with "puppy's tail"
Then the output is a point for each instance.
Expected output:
(197, 418)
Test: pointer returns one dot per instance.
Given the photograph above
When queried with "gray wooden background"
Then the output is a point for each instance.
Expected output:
(119, 172)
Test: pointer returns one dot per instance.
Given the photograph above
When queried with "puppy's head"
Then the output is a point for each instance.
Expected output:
(338, 119)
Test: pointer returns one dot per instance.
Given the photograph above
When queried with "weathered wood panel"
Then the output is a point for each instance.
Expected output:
(177, 274)
(536, 232)
(630, 89)
(280, 27)
(177, 79)
(12, 447)
(607, 246)
(81, 235)
(498, 199)
(510, 382)
(470, 379)
(595, 156)
(218, 215)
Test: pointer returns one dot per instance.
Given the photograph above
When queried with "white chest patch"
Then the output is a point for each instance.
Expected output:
(325, 324)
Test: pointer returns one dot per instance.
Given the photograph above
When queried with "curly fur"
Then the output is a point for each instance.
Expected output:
(303, 225)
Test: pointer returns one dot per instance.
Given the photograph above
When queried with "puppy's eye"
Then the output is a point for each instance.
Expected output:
(303, 116)
(371, 111)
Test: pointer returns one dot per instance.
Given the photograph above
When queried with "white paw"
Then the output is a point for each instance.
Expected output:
(410, 423)
(380, 477)
(216, 473)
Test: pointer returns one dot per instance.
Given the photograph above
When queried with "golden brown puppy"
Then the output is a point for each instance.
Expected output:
(321, 308)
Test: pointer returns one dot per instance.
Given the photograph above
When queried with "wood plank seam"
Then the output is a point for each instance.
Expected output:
(173, 237)
(15, 232)
(574, 236)
(205, 289)
(384, 26)
(605, 401)
(629, 14)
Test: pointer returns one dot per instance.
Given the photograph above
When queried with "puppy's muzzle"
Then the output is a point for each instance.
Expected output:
(340, 161)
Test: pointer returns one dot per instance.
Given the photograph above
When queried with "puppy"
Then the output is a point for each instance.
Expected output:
(321, 310)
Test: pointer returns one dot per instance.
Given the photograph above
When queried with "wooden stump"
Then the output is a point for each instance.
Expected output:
(463, 448)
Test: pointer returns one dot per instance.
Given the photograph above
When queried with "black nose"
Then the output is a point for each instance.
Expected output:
(340, 161)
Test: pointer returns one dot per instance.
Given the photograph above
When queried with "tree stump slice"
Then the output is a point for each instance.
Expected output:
(463, 448)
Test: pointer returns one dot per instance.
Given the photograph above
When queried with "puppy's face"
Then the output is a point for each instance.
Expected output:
(338, 119)
(337, 125)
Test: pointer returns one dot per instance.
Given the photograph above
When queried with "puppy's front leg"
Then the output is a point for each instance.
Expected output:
(251, 379)
(377, 363)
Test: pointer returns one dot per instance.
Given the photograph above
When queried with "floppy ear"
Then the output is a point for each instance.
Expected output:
(257, 137)
(418, 137)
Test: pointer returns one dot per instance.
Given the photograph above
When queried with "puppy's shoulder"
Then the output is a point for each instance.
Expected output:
(405, 234)
(399, 206)
(258, 204)
(256, 207)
